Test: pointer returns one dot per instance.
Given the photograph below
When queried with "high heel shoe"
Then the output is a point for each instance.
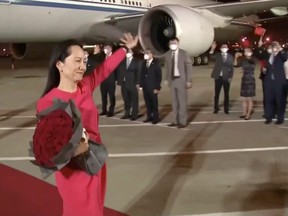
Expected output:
(247, 118)
(242, 116)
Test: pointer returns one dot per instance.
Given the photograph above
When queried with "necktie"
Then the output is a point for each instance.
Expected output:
(173, 65)
(271, 62)
(271, 59)
(224, 57)
(128, 61)
(147, 64)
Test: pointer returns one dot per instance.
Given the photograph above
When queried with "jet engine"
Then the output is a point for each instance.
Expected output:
(161, 23)
(21, 51)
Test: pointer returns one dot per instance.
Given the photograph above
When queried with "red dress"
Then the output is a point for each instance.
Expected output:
(81, 193)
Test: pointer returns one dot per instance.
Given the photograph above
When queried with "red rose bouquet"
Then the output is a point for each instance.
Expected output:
(58, 133)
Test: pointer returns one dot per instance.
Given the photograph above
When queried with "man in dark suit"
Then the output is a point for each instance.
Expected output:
(151, 77)
(274, 81)
(222, 74)
(108, 87)
(94, 59)
(178, 67)
(129, 80)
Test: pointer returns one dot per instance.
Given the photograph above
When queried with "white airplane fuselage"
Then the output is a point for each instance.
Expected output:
(54, 21)
(49, 21)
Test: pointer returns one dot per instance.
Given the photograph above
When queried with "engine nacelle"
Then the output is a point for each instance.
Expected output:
(161, 23)
(31, 50)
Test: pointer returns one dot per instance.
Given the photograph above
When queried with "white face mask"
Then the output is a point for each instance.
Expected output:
(106, 51)
(224, 50)
(173, 46)
(146, 56)
(274, 50)
(128, 55)
(248, 54)
(269, 50)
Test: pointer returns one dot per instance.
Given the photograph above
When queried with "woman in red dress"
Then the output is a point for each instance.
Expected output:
(82, 194)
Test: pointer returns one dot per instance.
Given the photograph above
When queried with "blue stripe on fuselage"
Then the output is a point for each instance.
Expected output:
(128, 9)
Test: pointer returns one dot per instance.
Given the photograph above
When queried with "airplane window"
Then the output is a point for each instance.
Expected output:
(125, 2)
(133, 3)
(137, 3)
(129, 2)
(113, 1)
(140, 3)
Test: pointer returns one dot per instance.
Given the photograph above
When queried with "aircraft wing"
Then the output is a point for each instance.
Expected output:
(227, 10)
(243, 8)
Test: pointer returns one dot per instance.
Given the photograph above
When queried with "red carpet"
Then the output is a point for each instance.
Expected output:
(24, 195)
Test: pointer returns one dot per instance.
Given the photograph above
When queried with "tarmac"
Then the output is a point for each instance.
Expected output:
(218, 165)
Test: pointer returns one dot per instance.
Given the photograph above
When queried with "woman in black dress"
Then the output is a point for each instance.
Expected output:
(247, 82)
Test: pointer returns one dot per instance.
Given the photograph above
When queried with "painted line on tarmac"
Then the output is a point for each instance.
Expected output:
(140, 124)
(17, 116)
(162, 154)
(269, 212)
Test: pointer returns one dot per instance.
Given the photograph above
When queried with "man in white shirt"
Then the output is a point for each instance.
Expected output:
(222, 74)
(178, 67)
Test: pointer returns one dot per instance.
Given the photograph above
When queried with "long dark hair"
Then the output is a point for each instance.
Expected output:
(60, 53)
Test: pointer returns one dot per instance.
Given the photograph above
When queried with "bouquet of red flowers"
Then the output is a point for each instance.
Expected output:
(57, 135)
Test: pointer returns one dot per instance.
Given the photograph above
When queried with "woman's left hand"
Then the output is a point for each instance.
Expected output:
(129, 41)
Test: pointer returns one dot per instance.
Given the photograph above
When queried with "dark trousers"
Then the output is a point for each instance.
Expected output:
(151, 102)
(108, 89)
(263, 92)
(130, 97)
(218, 86)
(274, 95)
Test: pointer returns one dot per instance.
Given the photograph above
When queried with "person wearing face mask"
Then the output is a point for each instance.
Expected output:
(129, 80)
(263, 69)
(274, 81)
(151, 77)
(108, 87)
(178, 67)
(247, 82)
(222, 74)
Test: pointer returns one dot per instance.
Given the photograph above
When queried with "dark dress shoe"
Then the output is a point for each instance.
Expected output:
(125, 117)
(181, 126)
(267, 121)
(110, 114)
(172, 125)
(226, 112)
(103, 113)
(134, 117)
(216, 111)
(155, 121)
(147, 120)
(247, 118)
(279, 122)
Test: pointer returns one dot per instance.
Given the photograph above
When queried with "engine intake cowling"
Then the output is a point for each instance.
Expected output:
(31, 50)
(161, 23)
